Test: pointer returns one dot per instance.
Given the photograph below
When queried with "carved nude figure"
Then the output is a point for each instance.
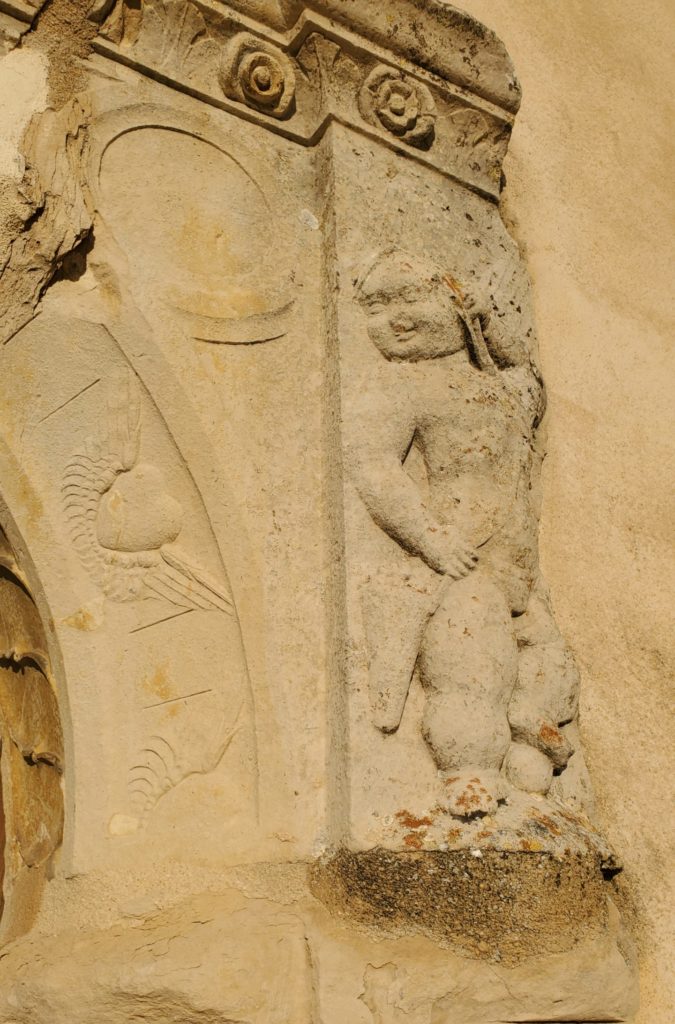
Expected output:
(500, 687)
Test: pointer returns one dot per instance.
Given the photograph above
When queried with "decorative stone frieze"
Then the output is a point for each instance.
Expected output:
(213, 53)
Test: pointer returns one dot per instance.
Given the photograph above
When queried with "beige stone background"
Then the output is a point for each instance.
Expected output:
(590, 198)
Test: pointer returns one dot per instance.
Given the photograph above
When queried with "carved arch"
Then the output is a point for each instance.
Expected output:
(145, 355)
(31, 750)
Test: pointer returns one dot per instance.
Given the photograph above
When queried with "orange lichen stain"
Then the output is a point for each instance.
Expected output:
(574, 819)
(449, 782)
(549, 734)
(531, 845)
(452, 834)
(158, 684)
(82, 620)
(483, 835)
(547, 822)
(408, 820)
(413, 840)
(454, 286)
(284, 837)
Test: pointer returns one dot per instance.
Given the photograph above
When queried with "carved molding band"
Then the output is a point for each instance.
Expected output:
(16, 17)
(298, 83)
(22, 10)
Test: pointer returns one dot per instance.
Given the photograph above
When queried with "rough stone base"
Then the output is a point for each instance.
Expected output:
(499, 906)
(228, 959)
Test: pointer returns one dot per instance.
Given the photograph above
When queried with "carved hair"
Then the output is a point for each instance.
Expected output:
(405, 259)
(431, 274)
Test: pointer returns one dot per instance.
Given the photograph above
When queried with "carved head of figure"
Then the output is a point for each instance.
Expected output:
(413, 311)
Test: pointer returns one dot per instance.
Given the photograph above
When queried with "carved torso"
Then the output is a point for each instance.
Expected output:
(476, 436)
(475, 432)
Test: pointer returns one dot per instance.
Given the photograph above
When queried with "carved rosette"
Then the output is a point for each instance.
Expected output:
(400, 104)
(258, 74)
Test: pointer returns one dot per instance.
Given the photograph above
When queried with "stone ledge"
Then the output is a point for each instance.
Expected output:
(498, 906)
(224, 957)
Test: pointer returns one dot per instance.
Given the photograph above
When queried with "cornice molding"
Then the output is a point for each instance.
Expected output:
(21, 10)
(431, 33)
(16, 17)
(298, 81)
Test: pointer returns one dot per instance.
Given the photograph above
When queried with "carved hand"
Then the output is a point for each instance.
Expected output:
(448, 553)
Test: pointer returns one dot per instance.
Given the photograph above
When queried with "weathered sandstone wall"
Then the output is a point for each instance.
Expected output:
(290, 730)
(590, 200)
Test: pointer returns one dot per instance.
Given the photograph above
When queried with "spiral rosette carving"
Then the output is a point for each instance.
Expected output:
(400, 104)
(258, 74)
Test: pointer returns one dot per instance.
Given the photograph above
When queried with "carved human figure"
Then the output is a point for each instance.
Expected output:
(498, 679)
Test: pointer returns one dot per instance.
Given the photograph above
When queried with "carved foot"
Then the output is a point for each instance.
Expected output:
(472, 792)
(528, 769)
(544, 735)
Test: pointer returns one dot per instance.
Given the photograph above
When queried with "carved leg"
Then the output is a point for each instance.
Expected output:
(573, 786)
(396, 613)
(468, 665)
(544, 699)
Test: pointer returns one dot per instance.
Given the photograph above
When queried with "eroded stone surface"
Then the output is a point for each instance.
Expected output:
(196, 961)
(497, 905)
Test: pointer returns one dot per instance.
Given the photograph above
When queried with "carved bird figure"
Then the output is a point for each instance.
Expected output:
(124, 520)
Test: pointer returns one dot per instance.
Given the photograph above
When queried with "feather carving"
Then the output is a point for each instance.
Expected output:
(123, 519)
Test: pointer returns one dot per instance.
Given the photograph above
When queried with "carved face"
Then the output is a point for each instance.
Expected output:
(411, 314)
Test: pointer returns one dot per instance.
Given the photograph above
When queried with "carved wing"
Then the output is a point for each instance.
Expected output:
(90, 474)
(177, 581)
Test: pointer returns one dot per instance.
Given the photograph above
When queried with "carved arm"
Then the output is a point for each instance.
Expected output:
(395, 504)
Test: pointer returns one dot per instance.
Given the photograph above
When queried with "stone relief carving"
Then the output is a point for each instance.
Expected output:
(125, 521)
(258, 304)
(260, 75)
(128, 497)
(172, 33)
(231, 292)
(500, 686)
(403, 106)
(203, 471)
(308, 77)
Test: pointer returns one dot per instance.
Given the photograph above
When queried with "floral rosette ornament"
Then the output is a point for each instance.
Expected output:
(258, 74)
(400, 104)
